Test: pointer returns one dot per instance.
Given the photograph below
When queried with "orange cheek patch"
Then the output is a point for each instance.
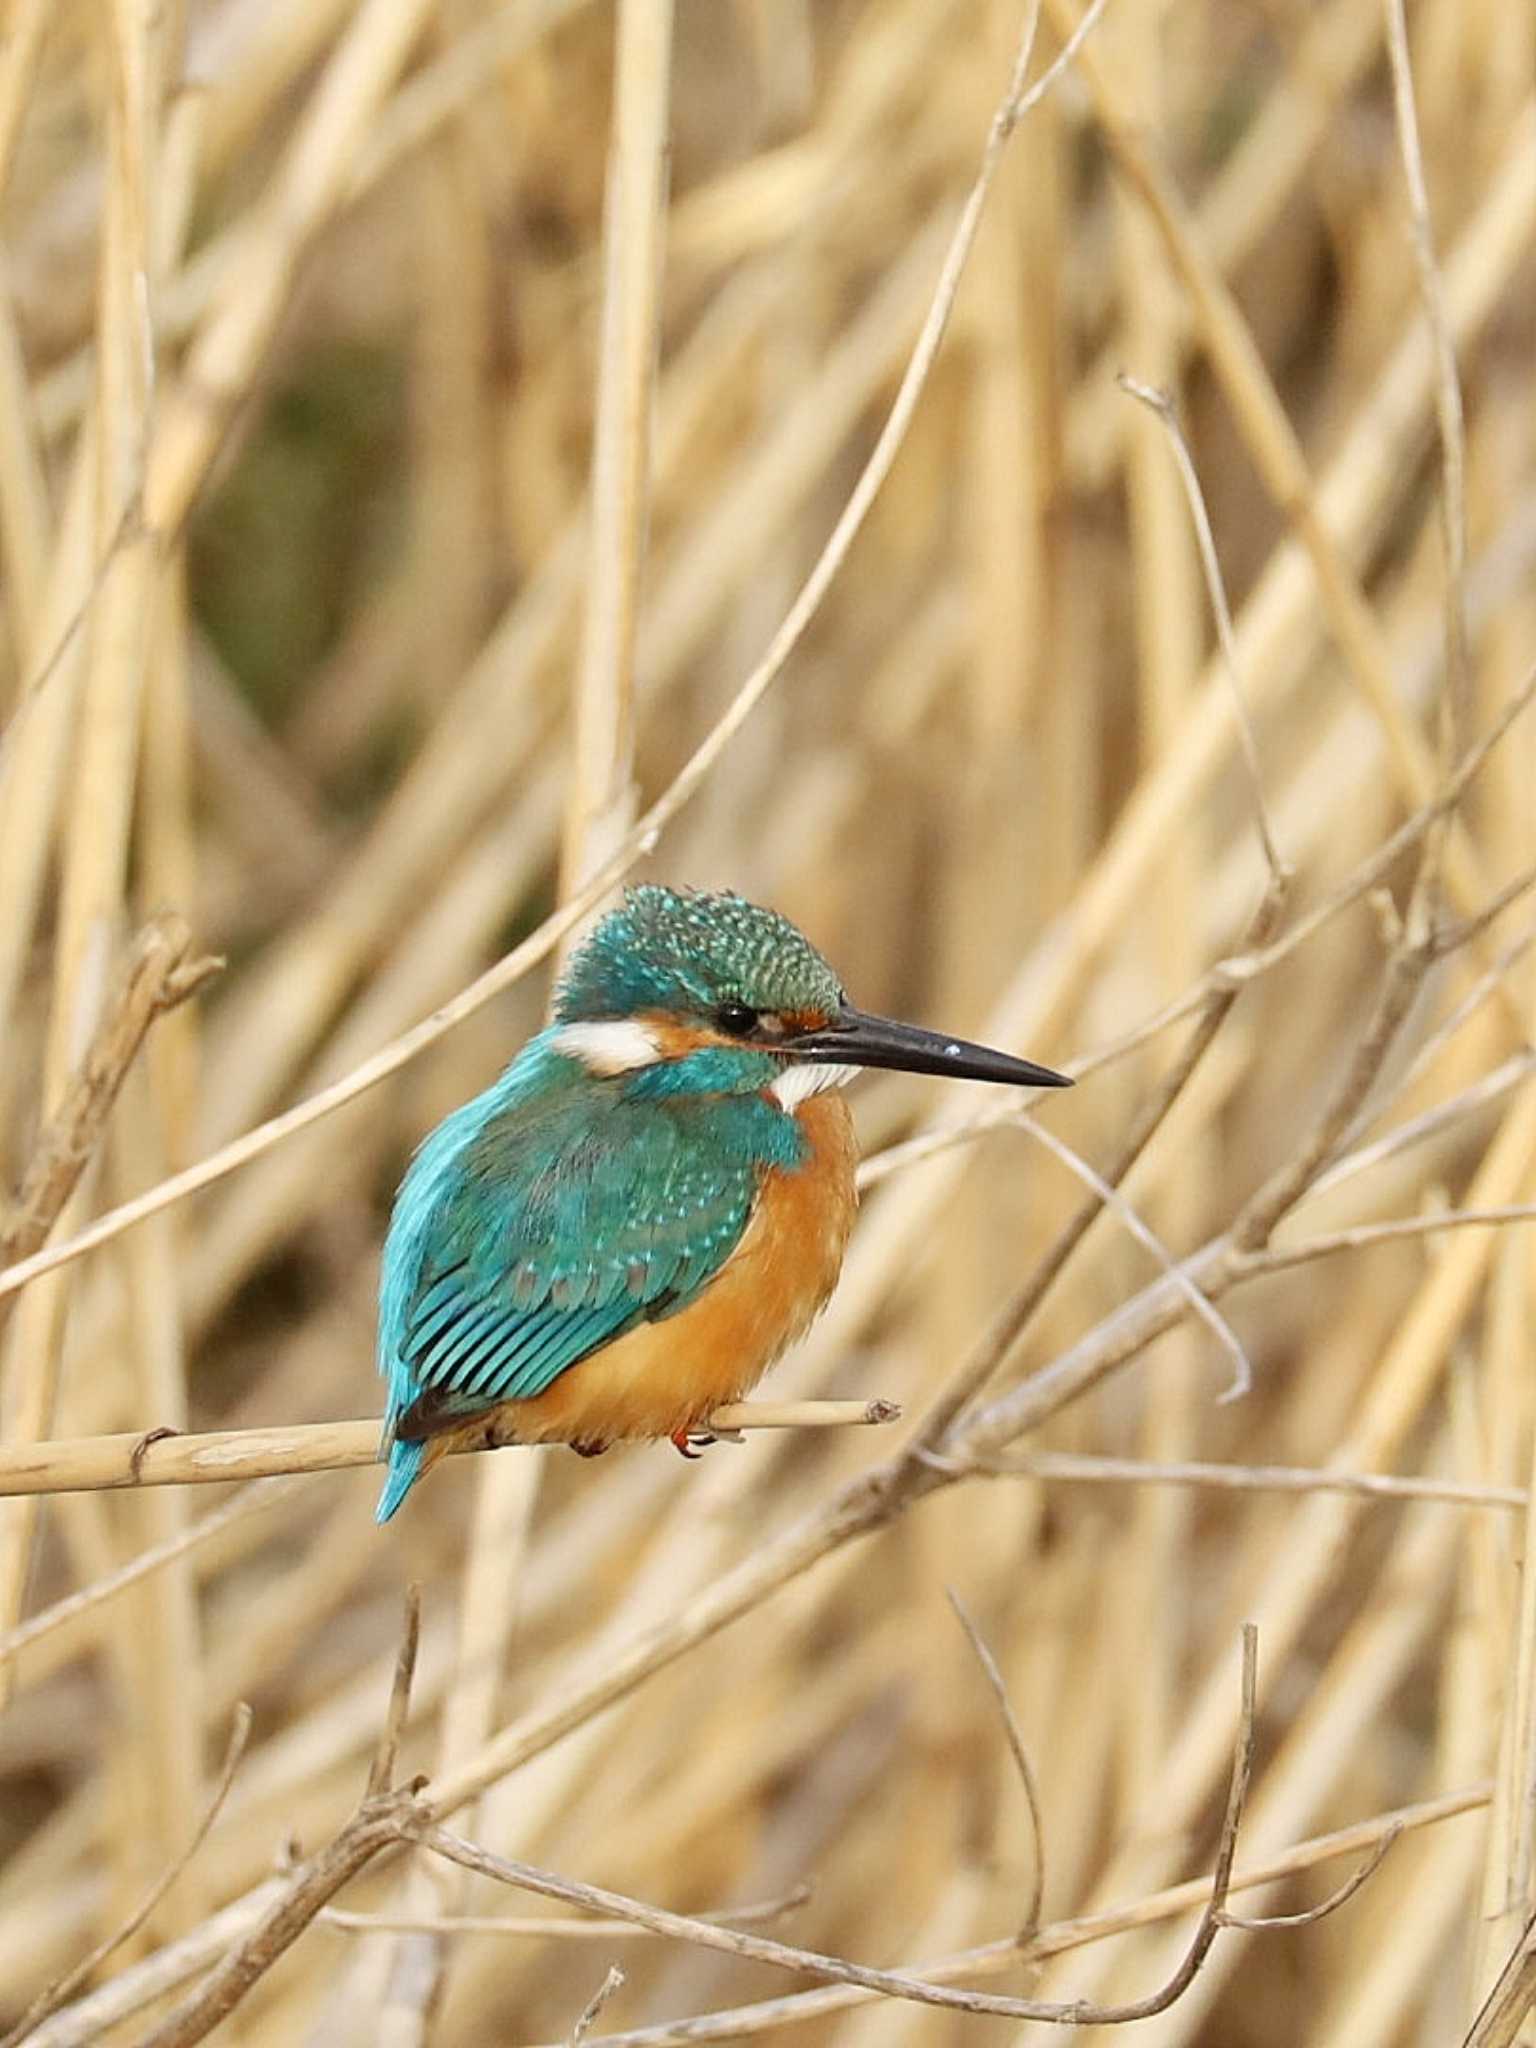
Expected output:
(798, 1021)
(673, 1038)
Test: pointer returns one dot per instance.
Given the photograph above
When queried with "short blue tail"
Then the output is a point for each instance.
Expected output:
(404, 1471)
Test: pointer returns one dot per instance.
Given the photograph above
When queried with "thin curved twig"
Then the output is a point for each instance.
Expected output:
(892, 1983)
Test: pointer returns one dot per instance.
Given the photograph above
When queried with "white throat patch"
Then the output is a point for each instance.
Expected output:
(798, 1084)
(617, 1045)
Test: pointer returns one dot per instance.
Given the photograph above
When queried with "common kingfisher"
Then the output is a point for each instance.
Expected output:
(630, 1225)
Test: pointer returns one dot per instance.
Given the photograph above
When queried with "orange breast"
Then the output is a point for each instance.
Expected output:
(672, 1374)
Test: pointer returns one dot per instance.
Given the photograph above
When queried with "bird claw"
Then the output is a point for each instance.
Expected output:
(589, 1447)
(691, 1443)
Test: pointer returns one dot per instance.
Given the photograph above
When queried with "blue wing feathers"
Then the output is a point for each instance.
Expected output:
(404, 1470)
(445, 1360)
(542, 1220)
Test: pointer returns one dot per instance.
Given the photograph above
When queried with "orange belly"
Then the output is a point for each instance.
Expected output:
(671, 1375)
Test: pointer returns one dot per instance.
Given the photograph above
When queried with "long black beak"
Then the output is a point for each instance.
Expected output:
(855, 1039)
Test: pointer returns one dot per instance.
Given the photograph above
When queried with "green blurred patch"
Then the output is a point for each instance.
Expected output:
(281, 552)
(1232, 110)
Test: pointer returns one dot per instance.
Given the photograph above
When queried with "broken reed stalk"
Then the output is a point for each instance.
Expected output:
(92, 1464)
(157, 978)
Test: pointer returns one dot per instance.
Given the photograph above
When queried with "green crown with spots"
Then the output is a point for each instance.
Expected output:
(687, 950)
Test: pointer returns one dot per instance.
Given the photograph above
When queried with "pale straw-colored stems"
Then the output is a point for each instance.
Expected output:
(65, 1988)
(227, 351)
(842, 810)
(158, 976)
(1277, 453)
(129, 1993)
(599, 808)
(414, 115)
(601, 803)
(767, 2016)
(1276, 631)
(1335, 46)
(24, 495)
(546, 1927)
(1503, 2013)
(1448, 406)
(167, 1458)
(1272, 441)
(1163, 408)
(388, 1818)
(1508, 1862)
(93, 850)
(1111, 1198)
(648, 830)
(1007, 1328)
(1392, 1402)
(251, 1500)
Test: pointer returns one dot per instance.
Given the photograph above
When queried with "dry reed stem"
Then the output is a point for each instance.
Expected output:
(599, 808)
(1448, 406)
(545, 1926)
(647, 832)
(94, 846)
(154, 1458)
(307, 1890)
(1276, 451)
(1162, 406)
(1030, 1922)
(592, 2011)
(1073, 1467)
(1003, 786)
(1503, 2012)
(129, 1993)
(893, 1984)
(60, 1993)
(249, 1500)
(158, 977)
(387, 1816)
(602, 801)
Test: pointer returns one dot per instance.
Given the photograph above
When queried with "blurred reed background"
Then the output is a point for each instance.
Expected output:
(300, 351)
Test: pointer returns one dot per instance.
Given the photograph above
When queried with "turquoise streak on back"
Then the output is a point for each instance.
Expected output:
(555, 1211)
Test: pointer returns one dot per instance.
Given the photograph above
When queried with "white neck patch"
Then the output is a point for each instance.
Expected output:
(798, 1084)
(617, 1045)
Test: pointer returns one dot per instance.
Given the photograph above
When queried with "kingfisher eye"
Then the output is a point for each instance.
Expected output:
(739, 1019)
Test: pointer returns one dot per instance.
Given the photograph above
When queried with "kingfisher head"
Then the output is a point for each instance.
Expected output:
(680, 991)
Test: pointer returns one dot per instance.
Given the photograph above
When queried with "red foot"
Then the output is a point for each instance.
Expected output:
(691, 1443)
